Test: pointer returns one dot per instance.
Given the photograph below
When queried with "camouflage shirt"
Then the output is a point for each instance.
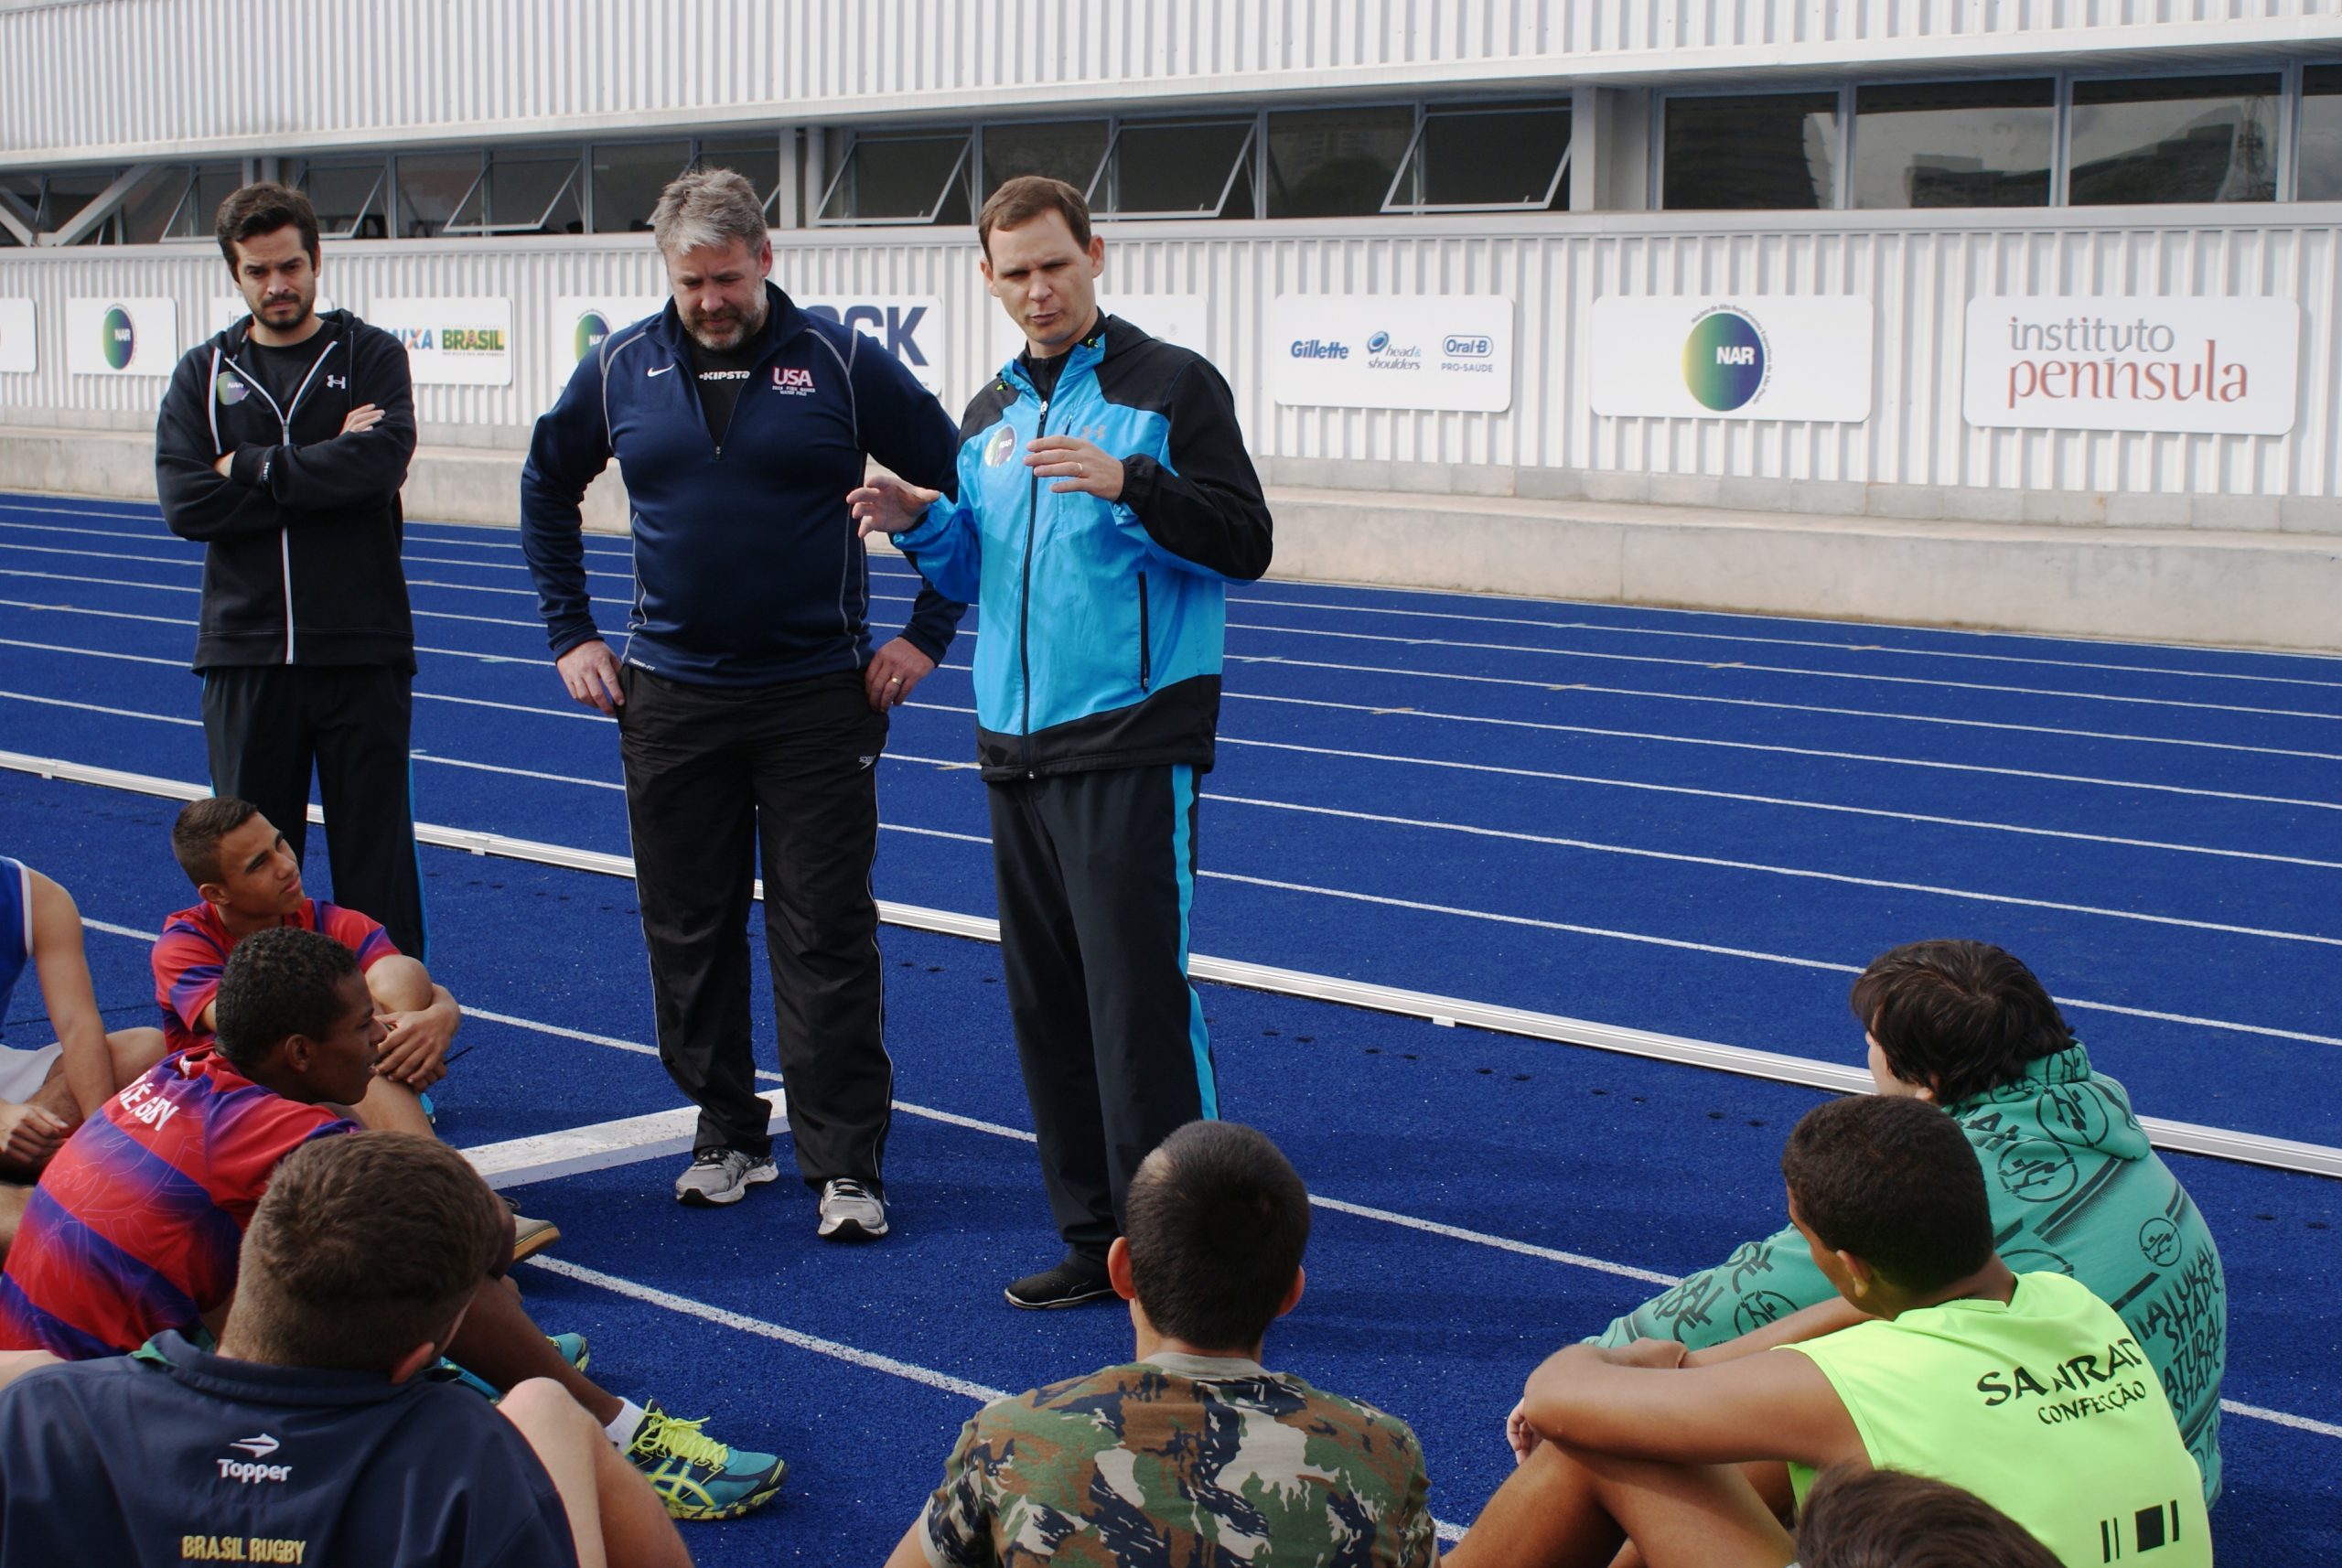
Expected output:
(1182, 1462)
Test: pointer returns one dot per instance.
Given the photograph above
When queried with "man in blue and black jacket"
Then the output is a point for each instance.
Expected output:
(1104, 499)
(751, 710)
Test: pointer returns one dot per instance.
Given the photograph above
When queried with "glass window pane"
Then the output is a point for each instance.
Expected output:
(67, 194)
(755, 157)
(25, 187)
(430, 184)
(350, 198)
(629, 179)
(1955, 143)
(900, 178)
(151, 206)
(1777, 152)
(529, 193)
(2190, 138)
(1177, 167)
(1068, 150)
(1335, 163)
(2319, 156)
(1490, 158)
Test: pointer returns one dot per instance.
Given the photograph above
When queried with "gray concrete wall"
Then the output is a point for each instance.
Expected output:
(2083, 572)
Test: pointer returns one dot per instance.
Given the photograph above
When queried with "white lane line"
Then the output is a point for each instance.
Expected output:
(1729, 1059)
(1502, 1243)
(100, 708)
(1436, 715)
(870, 1360)
(1723, 665)
(2066, 733)
(2281, 1418)
(186, 621)
(156, 519)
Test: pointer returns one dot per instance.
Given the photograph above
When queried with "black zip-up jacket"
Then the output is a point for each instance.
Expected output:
(302, 535)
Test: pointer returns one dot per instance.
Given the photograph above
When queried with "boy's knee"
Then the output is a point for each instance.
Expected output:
(544, 1410)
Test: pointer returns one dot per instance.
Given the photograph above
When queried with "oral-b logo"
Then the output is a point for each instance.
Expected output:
(1461, 347)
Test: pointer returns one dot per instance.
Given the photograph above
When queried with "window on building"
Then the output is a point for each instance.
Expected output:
(64, 195)
(352, 199)
(2317, 157)
(2184, 138)
(431, 186)
(755, 157)
(908, 178)
(148, 209)
(1486, 160)
(524, 192)
(629, 179)
(1073, 151)
(20, 195)
(1776, 151)
(1177, 168)
(1954, 144)
(1335, 163)
(196, 215)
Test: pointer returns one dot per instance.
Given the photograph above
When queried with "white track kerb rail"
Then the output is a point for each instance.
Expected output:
(2186, 1137)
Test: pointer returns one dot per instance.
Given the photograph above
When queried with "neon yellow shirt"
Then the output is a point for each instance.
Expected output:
(2045, 1407)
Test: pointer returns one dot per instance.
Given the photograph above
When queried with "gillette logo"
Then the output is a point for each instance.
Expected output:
(1318, 349)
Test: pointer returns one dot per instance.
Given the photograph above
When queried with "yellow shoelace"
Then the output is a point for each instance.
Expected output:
(681, 1439)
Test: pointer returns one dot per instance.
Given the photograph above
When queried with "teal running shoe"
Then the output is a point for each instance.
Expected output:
(695, 1476)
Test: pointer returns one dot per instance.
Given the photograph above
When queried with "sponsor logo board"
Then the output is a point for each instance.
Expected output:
(117, 337)
(451, 343)
(908, 327)
(1801, 357)
(581, 322)
(19, 348)
(1430, 351)
(2215, 367)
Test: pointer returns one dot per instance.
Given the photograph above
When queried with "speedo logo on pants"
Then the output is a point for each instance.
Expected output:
(253, 1471)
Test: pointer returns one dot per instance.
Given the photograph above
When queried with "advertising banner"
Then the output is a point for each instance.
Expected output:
(18, 352)
(581, 321)
(113, 337)
(227, 309)
(1805, 357)
(2214, 366)
(910, 327)
(463, 342)
(1181, 318)
(1391, 351)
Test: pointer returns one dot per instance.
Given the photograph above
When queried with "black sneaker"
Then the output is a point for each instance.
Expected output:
(1076, 1280)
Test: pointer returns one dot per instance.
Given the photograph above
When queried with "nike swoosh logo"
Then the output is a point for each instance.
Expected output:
(661, 370)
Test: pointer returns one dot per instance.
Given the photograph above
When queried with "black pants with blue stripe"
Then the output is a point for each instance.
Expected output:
(1097, 874)
(267, 725)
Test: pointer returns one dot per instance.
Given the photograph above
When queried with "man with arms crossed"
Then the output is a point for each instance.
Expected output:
(751, 711)
(2024, 1388)
(135, 1227)
(47, 1092)
(1193, 1453)
(1103, 501)
(281, 446)
(312, 1436)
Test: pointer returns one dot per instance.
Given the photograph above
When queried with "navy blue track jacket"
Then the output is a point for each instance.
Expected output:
(748, 569)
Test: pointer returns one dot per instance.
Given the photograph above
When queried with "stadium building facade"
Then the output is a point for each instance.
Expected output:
(1980, 311)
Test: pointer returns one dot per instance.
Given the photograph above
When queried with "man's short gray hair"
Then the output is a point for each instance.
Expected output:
(707, 208)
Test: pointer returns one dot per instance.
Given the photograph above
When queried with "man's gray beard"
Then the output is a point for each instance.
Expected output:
(748, 329)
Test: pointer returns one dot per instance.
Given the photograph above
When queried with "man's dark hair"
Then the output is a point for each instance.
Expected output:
(1217, 1219)
(1893, 1181)
(1886, 1518)
(364, 1246)
(1958, 1017)
(1020, 200)
(278, 983)
(264, 209)
(196, 835)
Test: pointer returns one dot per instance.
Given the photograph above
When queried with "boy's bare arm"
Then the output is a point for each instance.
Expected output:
(64, 970)
(1806, 1323)
(1628, 1402)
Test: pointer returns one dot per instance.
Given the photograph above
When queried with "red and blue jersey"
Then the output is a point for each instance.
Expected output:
(194, 947)
(136, 1225)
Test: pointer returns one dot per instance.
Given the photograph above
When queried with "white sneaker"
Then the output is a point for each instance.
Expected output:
(722, 1175)
(850, 1212)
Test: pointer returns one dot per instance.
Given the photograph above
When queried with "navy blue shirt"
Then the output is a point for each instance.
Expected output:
(173, 1457)
(748, 570)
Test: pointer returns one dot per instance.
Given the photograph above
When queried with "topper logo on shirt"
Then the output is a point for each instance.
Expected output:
(256, 1470)
(142, 1102)
(792, 382)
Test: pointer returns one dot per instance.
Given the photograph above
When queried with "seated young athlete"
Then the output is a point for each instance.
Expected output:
(310, 1436)
(250, 882)
(46, 1092)
(1890, 1519)
(2074, 1184)
(2024, 1388)
(135, 1227)
(1192, 1453)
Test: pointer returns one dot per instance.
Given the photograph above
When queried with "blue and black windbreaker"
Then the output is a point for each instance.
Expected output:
(1102, 621)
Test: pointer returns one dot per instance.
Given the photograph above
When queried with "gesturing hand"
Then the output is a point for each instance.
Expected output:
(1075, 465)
(884, 504)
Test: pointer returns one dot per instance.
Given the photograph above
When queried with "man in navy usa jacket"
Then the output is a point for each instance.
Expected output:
(751, 711)
(1103, 501)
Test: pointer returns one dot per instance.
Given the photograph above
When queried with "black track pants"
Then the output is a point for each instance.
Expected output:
(266, 726)
(1096, 874)
(713, 776)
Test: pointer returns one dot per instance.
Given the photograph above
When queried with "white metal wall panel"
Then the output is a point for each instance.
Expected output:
(1920, 271)
(172, 78)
